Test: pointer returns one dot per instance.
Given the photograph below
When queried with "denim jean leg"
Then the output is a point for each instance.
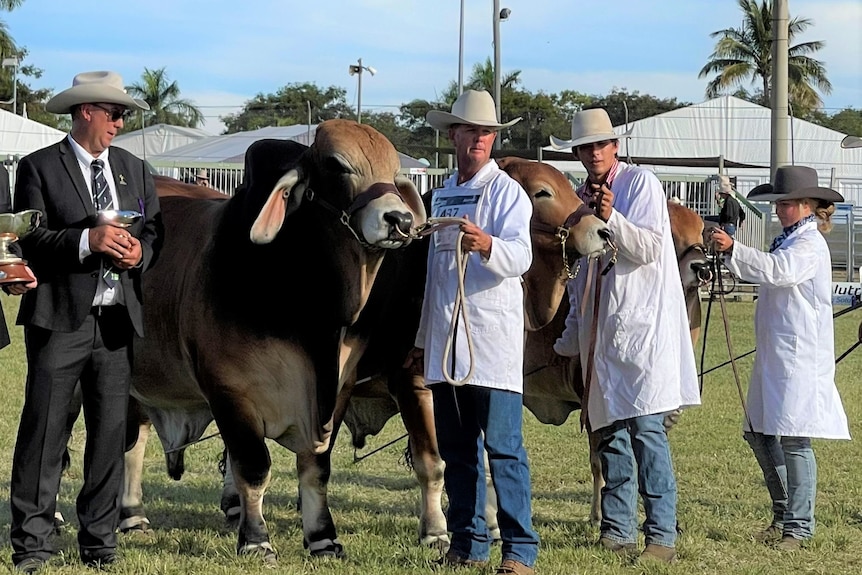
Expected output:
(656, 480)
(801, 486)
(619, 495)
(459, 439)
(510, 472)
(770, 456)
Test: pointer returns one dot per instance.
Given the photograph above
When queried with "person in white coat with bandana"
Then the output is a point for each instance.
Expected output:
(792, 396)
(643, 360)
(475, 372)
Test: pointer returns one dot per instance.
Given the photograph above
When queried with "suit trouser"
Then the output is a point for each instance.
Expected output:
(99, 355)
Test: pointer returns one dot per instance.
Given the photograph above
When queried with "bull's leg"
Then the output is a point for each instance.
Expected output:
(598, 478)
(491, 504)
(229, 495)
(318, 528)
(417, 412)
(250, 464)
(132, 515)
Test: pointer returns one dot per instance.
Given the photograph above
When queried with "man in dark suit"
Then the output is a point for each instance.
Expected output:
(80, 320)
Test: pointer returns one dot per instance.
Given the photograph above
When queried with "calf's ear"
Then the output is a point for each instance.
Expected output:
(412, 198)
(282, 201)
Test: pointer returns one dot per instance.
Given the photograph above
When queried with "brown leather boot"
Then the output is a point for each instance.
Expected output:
(658, 553)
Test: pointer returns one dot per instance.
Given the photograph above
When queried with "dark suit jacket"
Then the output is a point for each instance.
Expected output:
(50, 180)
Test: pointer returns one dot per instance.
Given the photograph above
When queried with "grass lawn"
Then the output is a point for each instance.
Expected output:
(722, 499)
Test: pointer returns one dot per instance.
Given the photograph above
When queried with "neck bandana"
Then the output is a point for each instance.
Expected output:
(779, 239)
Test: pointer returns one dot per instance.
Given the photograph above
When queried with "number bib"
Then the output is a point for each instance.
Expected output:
(452, 203)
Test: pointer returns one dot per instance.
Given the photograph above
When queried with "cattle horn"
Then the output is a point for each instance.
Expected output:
(271, 217)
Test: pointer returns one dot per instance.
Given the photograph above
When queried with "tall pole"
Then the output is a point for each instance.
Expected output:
(461, 53)
(497, 67)
(359, 94)
(780, 18)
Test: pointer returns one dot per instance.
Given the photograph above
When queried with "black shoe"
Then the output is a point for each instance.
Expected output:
(99, 559)
(29, 565)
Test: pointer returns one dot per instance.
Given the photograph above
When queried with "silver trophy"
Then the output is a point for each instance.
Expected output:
(13, 227)
(118, 218)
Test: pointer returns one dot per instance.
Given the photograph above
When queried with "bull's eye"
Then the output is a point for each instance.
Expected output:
(334, 166)
(543, 193)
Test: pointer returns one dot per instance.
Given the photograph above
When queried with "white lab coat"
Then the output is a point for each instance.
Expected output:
(792, 390)
(495, 298)
(644, 360)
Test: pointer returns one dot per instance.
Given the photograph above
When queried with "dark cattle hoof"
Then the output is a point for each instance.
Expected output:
(231, 508)
(264, 550)
(326, 548)
(134, 520)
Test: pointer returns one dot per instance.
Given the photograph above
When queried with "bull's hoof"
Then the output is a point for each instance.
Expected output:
(331, 548)
(264, 550)
(134, 520)
(230, 506)
(437, 542)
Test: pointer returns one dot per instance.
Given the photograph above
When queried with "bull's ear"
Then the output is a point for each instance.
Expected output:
(412, 199)
(283, 200)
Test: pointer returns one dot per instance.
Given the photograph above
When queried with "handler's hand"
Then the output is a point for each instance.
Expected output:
(20, 288)
(415, 361)
(602, 200)
(720, 240)
(475, 240)
(114, 242)
(132, 256)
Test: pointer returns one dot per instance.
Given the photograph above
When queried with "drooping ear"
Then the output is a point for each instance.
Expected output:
(412, 198)
(282, 201)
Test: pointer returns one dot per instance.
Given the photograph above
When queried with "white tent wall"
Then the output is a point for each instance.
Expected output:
(158, 139)
(20, 136)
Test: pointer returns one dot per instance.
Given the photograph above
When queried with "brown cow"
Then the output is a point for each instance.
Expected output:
(233, 334)
(552, 385)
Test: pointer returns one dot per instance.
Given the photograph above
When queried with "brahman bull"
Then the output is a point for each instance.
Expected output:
(249, 309)
(552, 385)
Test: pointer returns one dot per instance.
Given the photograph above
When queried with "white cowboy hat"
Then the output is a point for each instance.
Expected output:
(94, 88)
(474, 107)
(202, 174)
(588, 127)
(725, 186)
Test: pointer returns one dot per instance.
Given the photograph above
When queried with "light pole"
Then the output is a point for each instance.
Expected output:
(358, 69)
(498, 16)
(461, 53)
(12, 62)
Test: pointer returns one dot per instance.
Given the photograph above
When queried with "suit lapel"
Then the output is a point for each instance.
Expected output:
(120, 171)
(70, 163)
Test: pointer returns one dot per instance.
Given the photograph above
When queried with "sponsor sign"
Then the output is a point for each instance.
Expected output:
(846, 293)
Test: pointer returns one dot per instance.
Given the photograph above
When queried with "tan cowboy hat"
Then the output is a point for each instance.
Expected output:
(474, 107)
(588, 127)
(202, 174)
(725, 186)
(94, 88)
(794, 183)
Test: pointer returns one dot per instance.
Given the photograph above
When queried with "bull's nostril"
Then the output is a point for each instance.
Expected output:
(401, 221)
(606, 234)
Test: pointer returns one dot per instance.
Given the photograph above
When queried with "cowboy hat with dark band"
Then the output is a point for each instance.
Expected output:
(794, 183)
(588, 127)
(94, 88)
(474, 107)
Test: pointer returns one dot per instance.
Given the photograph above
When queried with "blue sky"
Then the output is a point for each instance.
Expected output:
(223, 53)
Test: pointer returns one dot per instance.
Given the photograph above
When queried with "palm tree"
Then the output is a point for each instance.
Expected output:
(7, 44)
(166, 106)
(482, 78)
(745, 53)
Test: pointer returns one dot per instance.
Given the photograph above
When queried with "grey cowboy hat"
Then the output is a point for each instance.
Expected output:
(475, 107)
(94, 88)
(794, 183)
(588, 127)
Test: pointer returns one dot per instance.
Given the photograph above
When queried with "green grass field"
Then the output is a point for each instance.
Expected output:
(722, 499)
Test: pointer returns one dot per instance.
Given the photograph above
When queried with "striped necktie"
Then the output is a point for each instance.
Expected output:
(103, 201)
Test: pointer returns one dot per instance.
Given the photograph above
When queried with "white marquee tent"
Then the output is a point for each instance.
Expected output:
(737, 131)
(19, 136)
(158, 139)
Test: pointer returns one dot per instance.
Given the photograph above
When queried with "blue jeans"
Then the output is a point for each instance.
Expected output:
(729, 229)
(635, 457)
(463, 416)
(790, 471)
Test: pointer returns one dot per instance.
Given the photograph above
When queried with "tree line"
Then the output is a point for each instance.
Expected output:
(741, 59)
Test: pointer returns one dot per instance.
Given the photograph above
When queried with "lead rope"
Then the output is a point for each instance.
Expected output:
(432, 225)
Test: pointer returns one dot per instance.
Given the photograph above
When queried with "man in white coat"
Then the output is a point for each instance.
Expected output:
(643, 363)
(792, 396)
(473, 362)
